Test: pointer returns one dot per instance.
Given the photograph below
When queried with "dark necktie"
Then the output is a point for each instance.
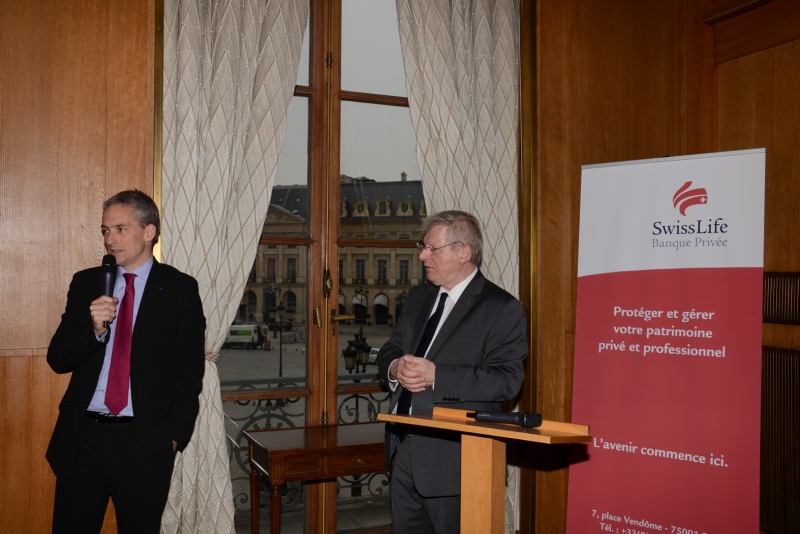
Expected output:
(120, 371)
(404, 404)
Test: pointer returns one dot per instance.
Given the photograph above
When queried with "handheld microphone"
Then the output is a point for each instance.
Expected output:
(526, 419)
(109, 269)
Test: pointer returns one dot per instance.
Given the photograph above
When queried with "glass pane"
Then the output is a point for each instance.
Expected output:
(266, 350)
(288, 205)
(302, 69)
(241, 416)
(376, 300)
(371, 57)
(266, 346)
(380, 189)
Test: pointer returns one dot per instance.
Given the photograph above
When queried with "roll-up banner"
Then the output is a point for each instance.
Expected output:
(668, 346)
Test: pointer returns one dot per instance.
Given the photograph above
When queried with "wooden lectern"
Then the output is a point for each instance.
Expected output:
(483, 459)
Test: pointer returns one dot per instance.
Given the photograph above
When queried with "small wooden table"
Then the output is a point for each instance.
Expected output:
(311, 453)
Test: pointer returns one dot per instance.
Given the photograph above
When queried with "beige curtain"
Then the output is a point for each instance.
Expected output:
(461, 63)
(460, 59)
(229, 74)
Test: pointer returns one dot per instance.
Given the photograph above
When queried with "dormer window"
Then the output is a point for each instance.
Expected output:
(360, 209)
(404, 208)
(383, 208)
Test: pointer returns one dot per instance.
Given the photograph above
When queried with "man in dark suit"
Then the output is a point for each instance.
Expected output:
(137, 362)
(461, 344)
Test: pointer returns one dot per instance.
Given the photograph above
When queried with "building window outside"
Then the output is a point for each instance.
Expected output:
(291, 247)
(291, 270)
(382, 278)
(272, 247)
(403, 236)
(341, 270)
(361, 209)
(361, 270)
(402, 277)
(271, 270)
(251, 306)
(404, 208)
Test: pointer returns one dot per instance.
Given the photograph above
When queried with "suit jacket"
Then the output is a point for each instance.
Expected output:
(167, 363)
(479, 355)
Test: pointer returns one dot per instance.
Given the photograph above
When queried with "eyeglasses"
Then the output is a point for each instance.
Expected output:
(427, 248)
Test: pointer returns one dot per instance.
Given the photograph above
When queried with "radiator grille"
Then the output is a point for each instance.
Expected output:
(780, 441)
(782, 298)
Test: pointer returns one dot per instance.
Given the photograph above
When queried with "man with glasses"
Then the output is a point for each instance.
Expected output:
(460, 344)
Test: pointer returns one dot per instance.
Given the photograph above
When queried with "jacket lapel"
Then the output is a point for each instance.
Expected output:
(422, 320)
(152, 293)
(465, 303)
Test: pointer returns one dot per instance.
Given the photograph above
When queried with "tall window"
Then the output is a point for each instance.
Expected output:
(291, 302)
(382, 278)
(350, 105)
(251, 306)
(402, 276)
(361, 271)
(291, 270)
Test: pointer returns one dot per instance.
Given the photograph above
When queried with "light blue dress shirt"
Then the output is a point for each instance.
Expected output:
(98, 403)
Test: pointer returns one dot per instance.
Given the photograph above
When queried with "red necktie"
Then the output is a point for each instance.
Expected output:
(120, 371)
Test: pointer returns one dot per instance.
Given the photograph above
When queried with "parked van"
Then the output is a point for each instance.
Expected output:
(245, 336)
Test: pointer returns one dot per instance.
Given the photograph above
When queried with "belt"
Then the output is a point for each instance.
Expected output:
(101, 417)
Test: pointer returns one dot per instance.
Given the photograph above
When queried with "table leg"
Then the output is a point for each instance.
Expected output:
(275, 509)
(255, 482)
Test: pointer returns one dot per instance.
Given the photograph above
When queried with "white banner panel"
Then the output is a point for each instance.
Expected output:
(636, 216)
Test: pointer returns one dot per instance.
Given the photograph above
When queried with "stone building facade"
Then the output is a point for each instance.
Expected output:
(373, 281)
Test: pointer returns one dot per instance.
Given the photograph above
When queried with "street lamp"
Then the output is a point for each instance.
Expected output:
(361, 294)
(276, 315)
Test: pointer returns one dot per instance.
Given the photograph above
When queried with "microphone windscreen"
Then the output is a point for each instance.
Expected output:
(109, 261)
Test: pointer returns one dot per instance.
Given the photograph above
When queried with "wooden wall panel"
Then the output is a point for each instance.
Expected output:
(130, 96)
(613, 84)
(769, 25)
(551, 285)
(759, 106)
(15, 376)
(76, 125)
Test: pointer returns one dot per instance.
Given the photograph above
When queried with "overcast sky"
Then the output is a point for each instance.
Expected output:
(377, 141)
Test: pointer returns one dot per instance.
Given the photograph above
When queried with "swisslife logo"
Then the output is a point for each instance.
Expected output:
(685, 197)
(706, 232)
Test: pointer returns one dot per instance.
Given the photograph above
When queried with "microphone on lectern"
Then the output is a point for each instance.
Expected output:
(526, 419)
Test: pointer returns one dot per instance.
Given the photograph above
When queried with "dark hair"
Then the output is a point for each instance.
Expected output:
(145, 210)
(461, 226)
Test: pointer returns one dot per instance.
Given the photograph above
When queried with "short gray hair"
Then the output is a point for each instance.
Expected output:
(461, 226)
(144, 209)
